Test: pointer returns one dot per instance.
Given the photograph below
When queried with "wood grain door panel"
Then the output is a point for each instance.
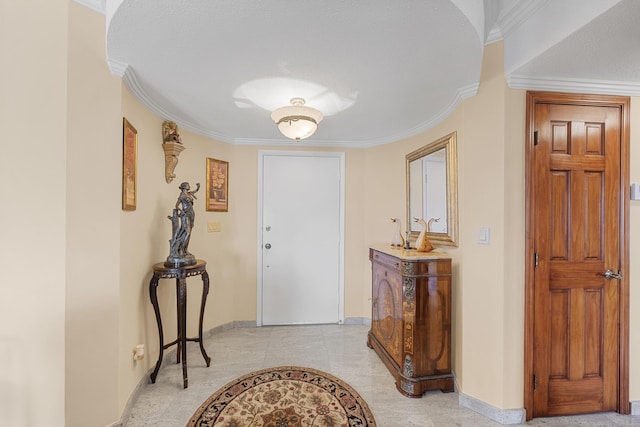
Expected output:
(386, 322)
(575, 203)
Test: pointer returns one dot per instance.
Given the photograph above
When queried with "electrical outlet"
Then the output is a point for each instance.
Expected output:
(213, 226)
(138, 352)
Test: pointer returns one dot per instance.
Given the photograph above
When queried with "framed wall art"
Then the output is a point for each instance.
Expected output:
(129, 165)
(217, 185)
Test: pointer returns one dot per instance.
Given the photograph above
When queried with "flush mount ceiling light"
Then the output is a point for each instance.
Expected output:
(297, 121)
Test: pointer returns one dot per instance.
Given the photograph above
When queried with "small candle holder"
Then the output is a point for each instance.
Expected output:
(406, 240)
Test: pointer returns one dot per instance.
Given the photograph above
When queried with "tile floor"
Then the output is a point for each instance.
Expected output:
(340, 350)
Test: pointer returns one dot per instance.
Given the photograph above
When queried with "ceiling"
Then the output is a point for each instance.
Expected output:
(379, 70)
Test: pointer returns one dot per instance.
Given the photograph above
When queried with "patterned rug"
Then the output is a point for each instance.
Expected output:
(287, 396)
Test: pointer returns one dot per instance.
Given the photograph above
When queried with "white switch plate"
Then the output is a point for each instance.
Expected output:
(635, 191)
(484, 235)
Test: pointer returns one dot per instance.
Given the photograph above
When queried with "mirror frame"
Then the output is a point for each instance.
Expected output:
(448, 142)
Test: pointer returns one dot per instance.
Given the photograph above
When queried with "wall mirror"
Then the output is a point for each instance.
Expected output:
(432, 190)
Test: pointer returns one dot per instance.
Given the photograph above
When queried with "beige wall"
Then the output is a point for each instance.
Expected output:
(482, 190)
(514, 247)
(90, 262)
(634, 255)
(33, 117)
(93, 224)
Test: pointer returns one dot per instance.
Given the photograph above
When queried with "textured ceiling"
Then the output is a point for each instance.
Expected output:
(379, 70)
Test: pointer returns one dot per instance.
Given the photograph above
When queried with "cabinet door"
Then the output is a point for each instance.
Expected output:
(433, 326)
(386, 316)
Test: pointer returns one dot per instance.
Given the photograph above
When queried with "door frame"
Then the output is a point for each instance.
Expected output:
(622, 102)
(334, 154)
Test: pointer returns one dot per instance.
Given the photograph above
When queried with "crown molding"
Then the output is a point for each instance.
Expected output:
(518, 14)
(562, 84)
(97, 5)
(143, 97)
(117, 68)
(136, 89)
(462, 93)
(495, 35)
(512, 18)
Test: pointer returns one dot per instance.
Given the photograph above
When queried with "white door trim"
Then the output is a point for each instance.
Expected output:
(341, 157)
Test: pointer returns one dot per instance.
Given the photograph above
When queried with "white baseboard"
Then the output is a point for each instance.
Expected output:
(508, 416)
(230, 325)
(253, 324)
(357, 321)
(502, 416)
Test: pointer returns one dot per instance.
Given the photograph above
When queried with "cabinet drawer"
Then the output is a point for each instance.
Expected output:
(423, 267)
(387, 260)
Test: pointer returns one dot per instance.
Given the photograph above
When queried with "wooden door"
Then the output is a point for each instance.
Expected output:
(577, 190)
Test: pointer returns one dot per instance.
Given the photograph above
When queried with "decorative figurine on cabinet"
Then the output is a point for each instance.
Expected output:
(422, 242)
(397, 239)
(432, 220)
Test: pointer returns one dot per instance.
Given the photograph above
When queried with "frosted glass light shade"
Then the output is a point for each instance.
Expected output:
(297, 121)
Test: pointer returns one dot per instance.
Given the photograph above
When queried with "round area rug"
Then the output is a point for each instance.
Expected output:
(286, 396)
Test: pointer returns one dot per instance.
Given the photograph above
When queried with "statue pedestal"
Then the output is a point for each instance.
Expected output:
(160, 271)
(177, 262)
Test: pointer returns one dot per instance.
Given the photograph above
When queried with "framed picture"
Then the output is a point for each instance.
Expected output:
(217, 185)
(129, 165)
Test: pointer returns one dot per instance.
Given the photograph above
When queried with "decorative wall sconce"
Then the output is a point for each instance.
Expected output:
(172, 146)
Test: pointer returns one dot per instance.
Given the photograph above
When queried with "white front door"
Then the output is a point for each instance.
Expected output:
(300, 258)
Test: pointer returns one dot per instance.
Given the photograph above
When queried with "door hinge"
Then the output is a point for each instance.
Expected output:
(535, 259)
(535, 382)
(535, 138)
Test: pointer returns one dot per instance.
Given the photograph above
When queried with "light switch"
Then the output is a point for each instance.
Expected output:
(635, 191)
(484, 235)
(213, 226)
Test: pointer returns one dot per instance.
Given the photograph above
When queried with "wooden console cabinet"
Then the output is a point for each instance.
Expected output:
(411, 317)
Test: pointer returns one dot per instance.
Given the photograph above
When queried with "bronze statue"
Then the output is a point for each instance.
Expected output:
(182, 221)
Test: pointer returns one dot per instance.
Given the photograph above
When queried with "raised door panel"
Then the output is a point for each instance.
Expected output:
(386, 322)
(433, 323)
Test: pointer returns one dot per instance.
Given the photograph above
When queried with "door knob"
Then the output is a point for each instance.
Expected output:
(610, 274)
(267, 246)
